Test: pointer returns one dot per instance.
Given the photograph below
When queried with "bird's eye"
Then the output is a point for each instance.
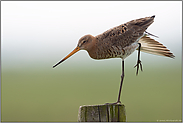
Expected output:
(84, 42)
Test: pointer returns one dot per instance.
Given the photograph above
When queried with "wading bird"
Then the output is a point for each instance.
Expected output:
(120, 42)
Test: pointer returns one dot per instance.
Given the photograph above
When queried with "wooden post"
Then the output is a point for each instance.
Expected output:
(102, 113)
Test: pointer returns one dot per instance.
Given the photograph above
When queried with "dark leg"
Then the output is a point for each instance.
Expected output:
(138, 60)
(122, 76)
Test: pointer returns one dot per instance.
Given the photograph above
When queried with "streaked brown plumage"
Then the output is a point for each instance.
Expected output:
(120, 42)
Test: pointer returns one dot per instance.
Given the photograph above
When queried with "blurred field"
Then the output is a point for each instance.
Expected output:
(46, 94)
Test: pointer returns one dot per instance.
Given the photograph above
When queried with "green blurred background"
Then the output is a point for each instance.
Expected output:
(35, 37)
(47, 94)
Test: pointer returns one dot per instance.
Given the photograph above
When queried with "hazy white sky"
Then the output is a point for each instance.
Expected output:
(36, 31)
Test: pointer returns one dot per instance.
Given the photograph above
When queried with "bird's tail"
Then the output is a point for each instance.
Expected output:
(151, 46)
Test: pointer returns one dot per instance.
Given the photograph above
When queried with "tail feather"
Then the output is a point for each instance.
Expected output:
(151, 46)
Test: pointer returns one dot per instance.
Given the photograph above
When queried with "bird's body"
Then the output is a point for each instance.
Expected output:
(120, 42)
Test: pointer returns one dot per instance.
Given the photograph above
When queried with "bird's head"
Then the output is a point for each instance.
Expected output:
(84, 43)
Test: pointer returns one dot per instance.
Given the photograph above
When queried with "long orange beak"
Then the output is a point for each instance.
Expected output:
(74, 51)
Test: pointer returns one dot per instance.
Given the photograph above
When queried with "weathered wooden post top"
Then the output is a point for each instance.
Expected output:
(102, 113)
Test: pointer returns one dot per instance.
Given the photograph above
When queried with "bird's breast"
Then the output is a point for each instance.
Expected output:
(113, 52)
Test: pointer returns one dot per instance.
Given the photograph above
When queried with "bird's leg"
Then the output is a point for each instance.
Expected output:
(138, 61)
(122, 76)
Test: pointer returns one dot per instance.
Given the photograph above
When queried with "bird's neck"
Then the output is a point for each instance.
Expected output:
(92, 49)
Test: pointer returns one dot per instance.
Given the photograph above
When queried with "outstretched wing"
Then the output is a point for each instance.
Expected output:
(151, 46)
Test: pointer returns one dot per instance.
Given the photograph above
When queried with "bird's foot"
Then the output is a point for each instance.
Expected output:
(137, 65)
(118, 102)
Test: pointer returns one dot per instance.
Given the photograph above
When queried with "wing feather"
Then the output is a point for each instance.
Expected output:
(151, 46)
